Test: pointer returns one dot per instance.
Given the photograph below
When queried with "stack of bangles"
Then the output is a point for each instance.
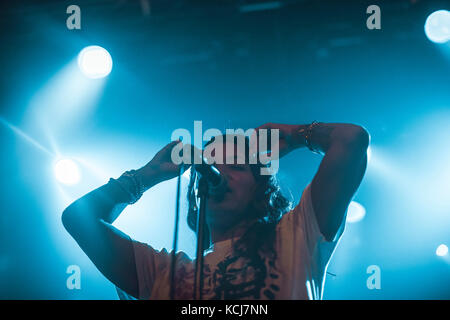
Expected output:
(307, 134)
(132, 184)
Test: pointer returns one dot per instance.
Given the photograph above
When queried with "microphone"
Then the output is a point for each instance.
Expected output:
(217, 182)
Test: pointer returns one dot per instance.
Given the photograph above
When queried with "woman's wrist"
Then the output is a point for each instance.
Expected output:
(149, 176)
(297, 136)
(308, 133)
(132, 184)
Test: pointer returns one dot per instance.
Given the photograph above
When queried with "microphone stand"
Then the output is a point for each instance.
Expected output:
(201, 221)
(173, 257)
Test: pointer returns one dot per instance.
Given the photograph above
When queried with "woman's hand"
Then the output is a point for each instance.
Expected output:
(161, 167)
(289, 136)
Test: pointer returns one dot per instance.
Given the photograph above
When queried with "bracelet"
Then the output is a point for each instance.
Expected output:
(307, 134)
(132, 184)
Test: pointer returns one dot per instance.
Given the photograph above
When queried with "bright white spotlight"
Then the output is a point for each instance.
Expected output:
(356, 212)
(369, 153)
(442, 250)
(437, 26)
(67, 171)
(95, 62)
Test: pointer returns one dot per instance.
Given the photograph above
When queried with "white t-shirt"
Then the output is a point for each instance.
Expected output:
(297, 272)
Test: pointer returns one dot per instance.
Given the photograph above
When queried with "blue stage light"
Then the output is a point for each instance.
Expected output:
(95, 62)
(356, 212)
(369, 153)
(66, 171)
(437, 26)
(442, 250)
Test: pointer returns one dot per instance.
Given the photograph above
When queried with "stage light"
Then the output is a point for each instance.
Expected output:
(442, 250)
(95, 62)
(437, 26)
(355, 212)
(67, 171)
(369, 153)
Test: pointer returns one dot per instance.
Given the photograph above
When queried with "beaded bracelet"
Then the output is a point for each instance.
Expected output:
(307, 134)
(131, 183)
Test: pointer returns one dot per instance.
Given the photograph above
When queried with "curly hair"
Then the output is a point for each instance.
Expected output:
(266, 208)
